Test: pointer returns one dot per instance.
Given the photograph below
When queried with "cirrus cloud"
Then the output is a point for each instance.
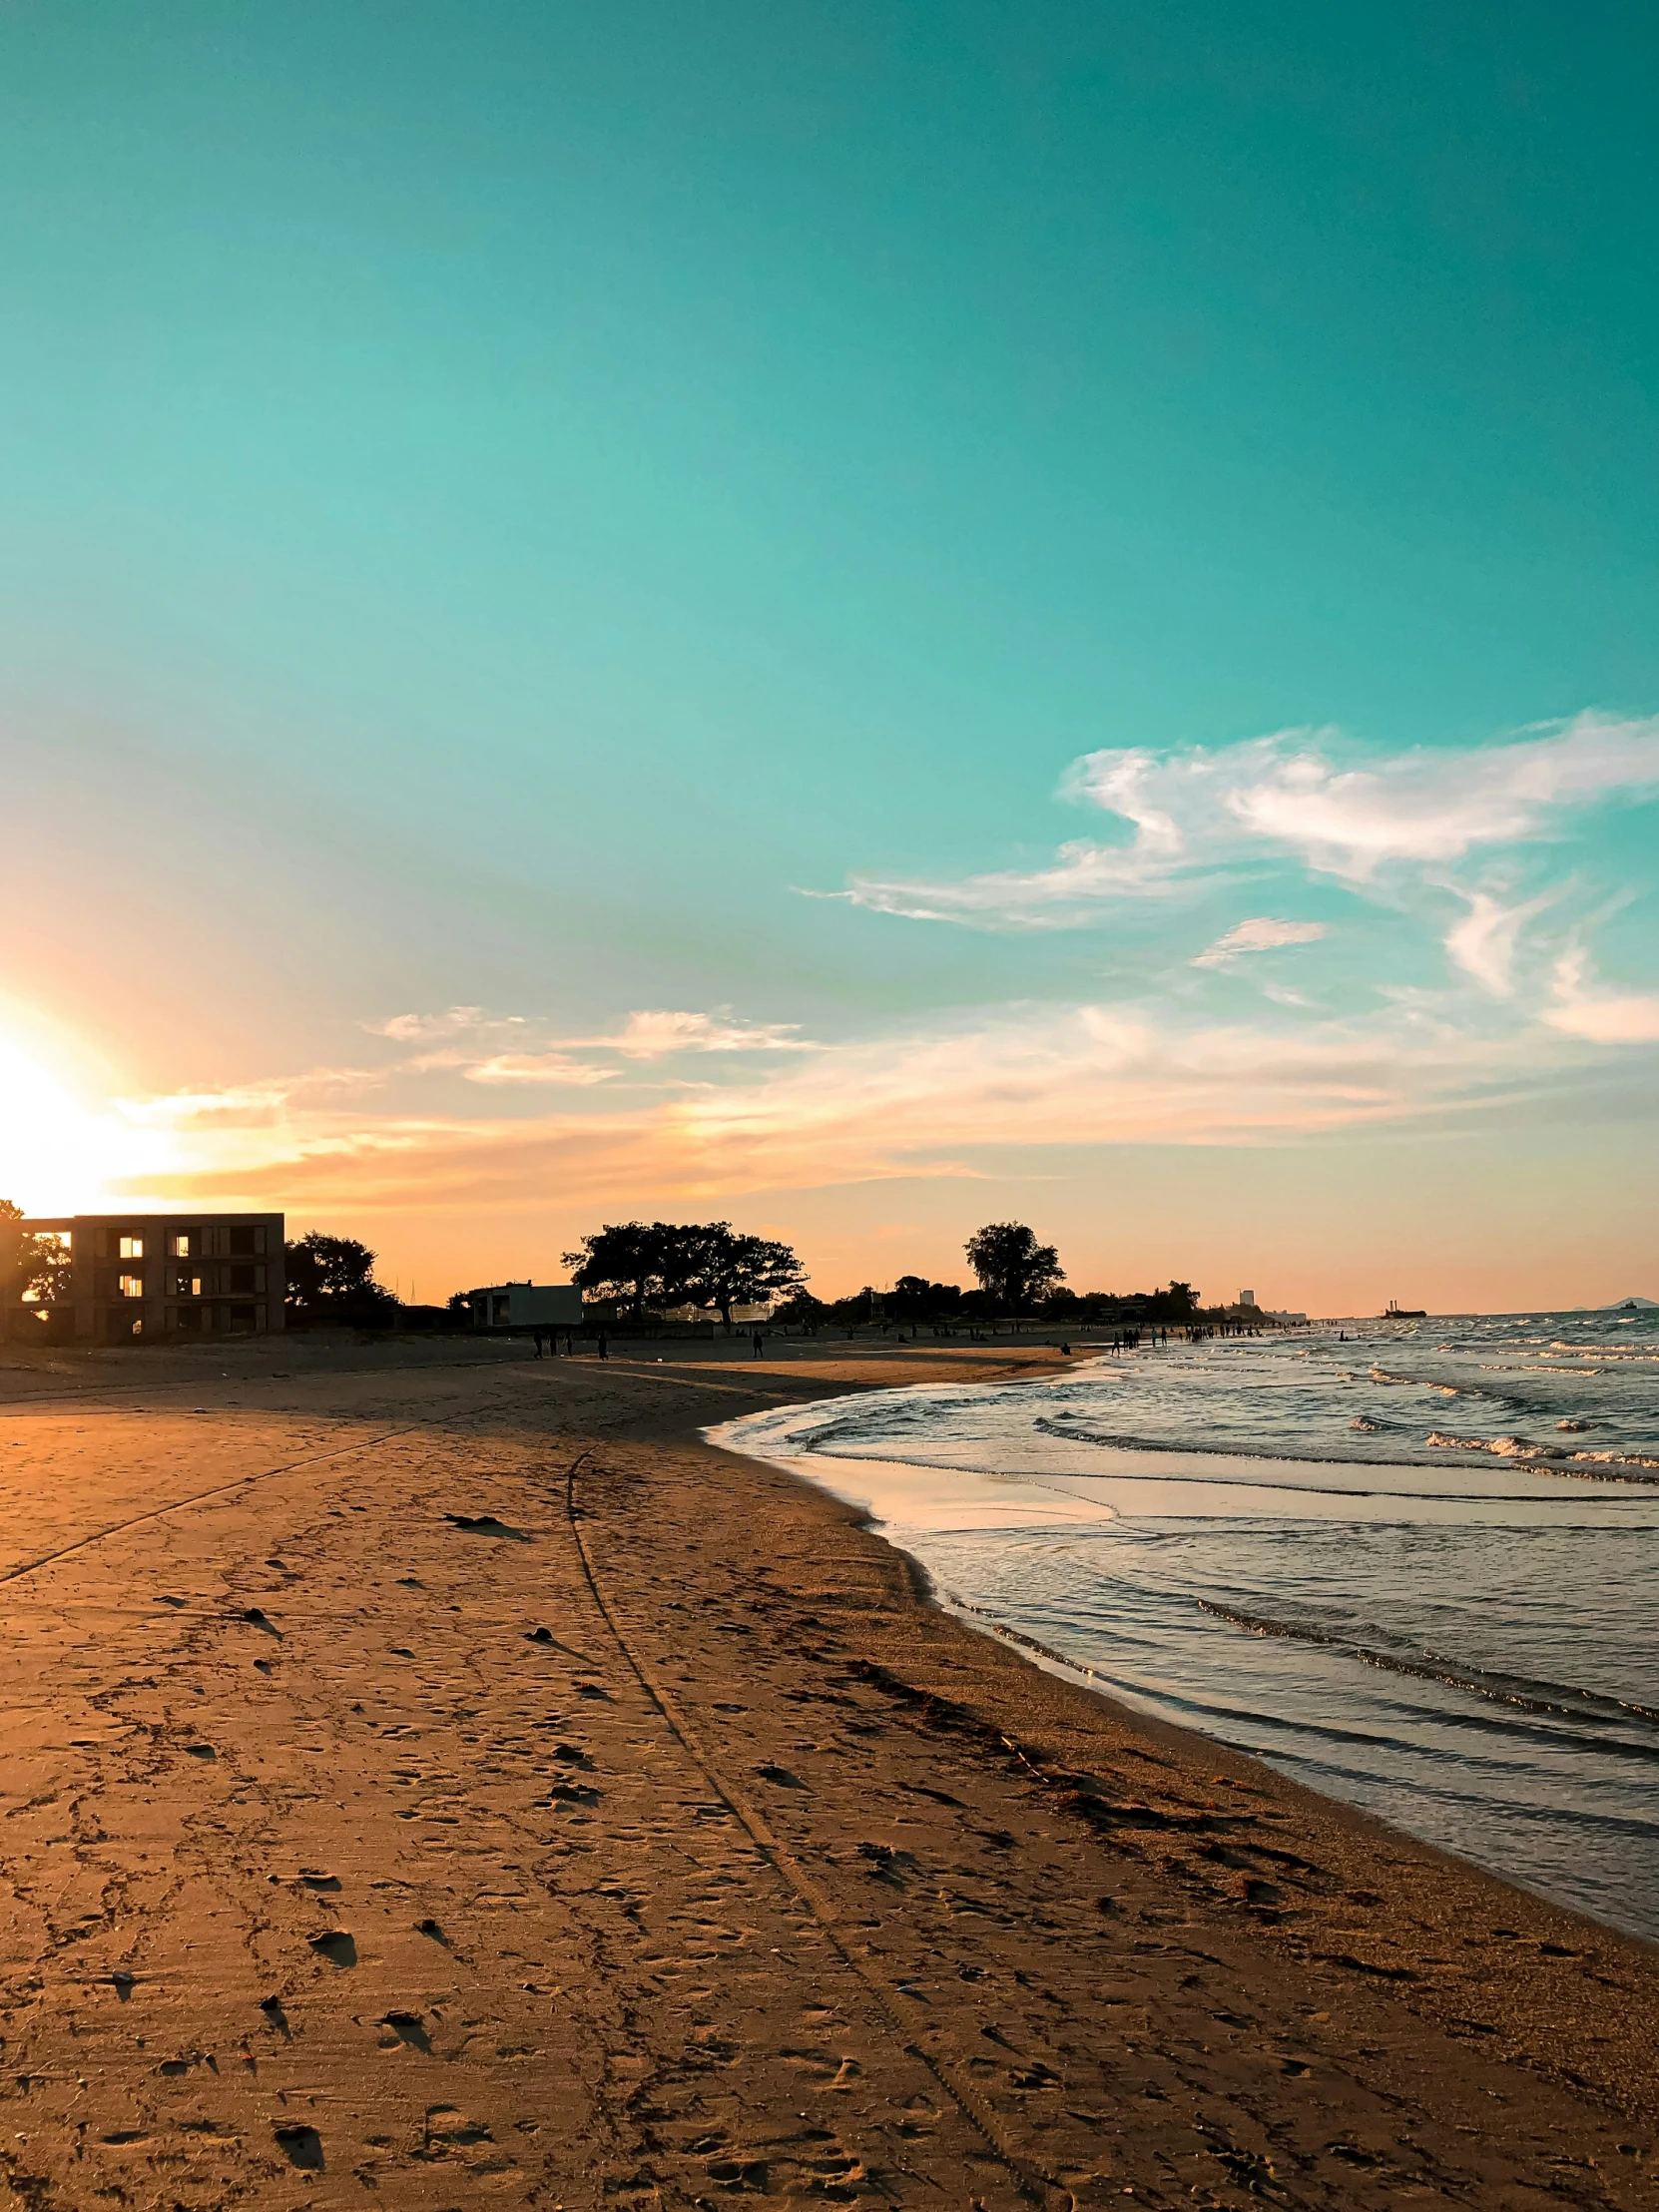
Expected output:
(1198, 813)
(1584, 1008)
(1262, 934)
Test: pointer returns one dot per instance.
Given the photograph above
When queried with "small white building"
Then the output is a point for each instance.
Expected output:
(526, 1306)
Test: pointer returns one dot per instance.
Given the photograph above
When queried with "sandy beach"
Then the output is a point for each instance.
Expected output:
(434, 1777)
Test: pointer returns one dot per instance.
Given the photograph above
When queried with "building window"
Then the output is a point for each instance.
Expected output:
(246, 1241)
(242, 1278)
(186, 1244)
(243, 1317)
(129, 1285)
(131, 1248)
(187, 1285)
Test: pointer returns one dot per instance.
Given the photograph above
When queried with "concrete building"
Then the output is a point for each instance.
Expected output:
(142, 1276)
(526, 1306)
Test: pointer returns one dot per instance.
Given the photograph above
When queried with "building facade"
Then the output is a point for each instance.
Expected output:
(526, 1305)
(123, 1278)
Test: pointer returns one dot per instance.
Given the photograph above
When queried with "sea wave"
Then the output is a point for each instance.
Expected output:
(1273, 1540)
(1528, 1695)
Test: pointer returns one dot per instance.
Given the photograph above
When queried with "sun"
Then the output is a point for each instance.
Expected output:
(60, 1154)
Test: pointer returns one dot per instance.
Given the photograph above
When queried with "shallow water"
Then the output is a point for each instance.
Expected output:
(1274, 1540)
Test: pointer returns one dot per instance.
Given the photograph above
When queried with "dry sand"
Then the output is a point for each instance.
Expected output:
(435, 1780)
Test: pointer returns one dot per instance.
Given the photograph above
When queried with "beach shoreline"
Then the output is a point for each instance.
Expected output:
(390, 1808)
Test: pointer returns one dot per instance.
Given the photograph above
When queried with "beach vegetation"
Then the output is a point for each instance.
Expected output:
(1014, 1270)
(42, 1267)
(332, 1279)
(635, 1263)
(736, 1270)
(666, 1264)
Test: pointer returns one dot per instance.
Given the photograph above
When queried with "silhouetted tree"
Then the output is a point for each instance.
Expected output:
(44, 1265)
(913, 1297)
(621, 1260)
(332, 1277)
(733, 1270)
(667, 1263)
(1012, 1267)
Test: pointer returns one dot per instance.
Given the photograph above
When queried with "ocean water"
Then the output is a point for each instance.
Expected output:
(1417, 1570)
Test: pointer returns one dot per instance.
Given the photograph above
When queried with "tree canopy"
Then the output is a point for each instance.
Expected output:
(333, 1276)
(45, 1265)
(663, 1263)
(644, 1262)
(734, 1270)
(1012, 1267)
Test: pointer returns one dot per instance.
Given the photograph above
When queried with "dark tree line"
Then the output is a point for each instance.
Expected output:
(1018, 1278)
(657, 1264)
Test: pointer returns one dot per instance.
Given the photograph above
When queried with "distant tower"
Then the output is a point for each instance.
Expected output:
(1247, 1298)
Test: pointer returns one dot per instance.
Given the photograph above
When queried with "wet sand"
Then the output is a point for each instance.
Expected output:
(436, 1778)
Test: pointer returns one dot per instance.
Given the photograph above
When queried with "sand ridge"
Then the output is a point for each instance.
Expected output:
(484, 1791)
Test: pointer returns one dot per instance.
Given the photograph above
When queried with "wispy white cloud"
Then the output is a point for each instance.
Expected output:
(656, 1032)
(454, 1021)
(1482, 942)
(249, 1104)
(1584, 1008)
(461, 1038)
(936, 1100)
(536, 1068)
(1196, 811)
(1262, 934)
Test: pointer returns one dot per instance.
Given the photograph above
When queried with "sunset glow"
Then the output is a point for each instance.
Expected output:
(61, 1154)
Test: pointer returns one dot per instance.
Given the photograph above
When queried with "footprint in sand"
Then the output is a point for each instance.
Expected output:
(446, 2126)
(486, 1524)
(406, 2029)
(302, 2147)
(335, 1944)
(571, 1793)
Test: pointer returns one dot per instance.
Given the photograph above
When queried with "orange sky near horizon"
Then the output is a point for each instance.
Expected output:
(1306, 1222)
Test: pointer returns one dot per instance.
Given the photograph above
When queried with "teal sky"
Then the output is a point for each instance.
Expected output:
(501, 501)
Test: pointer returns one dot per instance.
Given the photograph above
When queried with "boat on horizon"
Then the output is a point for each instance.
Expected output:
(1394, 1311)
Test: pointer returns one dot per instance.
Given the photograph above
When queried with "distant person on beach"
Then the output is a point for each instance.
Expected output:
(755, 1346)
(604, 1345)
(537, 1334)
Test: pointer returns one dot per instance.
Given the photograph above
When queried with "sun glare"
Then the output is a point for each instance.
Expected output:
(57, 1154)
